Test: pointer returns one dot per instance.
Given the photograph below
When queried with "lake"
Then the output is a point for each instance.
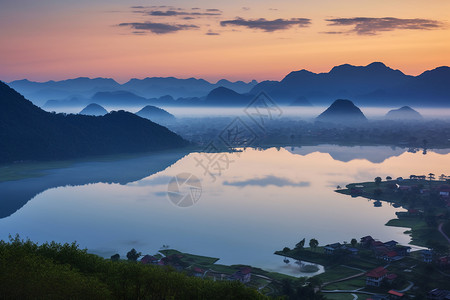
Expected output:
(240, 207)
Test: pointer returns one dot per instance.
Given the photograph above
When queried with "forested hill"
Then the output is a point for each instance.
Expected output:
(30, 133)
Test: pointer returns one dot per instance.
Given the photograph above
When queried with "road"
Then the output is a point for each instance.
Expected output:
(443, 233)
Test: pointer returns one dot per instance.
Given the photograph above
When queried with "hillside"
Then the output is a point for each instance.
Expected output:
(93, 109)
(156, 114)
(404, 113)
(64, 271)
(374, 84)
(342, 111)
(29, 133)
(223, 96)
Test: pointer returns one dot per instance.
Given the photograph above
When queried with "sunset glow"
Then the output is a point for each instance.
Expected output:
(43, 40)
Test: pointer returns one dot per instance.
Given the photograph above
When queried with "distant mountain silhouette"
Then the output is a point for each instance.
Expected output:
(404, 113)
(40, 92)
(29, 133)
(156, 114)
(223, 96)
(342, 111)
(151, 90)
(119, 98)
(93, 109)
(374, 84)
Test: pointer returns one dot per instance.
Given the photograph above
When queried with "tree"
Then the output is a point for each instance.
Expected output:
(313, 243)
(133, 255)
(377, 181)
(286, 249)
(388, 178)
(354, 242)
(442, 177)
(115, 257)
(300, 245)
(431, 176)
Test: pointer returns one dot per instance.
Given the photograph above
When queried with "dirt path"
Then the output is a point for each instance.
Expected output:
(443, 233)
(342, 279)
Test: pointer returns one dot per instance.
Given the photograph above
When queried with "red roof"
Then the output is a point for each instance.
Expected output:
(391, 276)
(377, 272)
(391, 254)
(395, 293)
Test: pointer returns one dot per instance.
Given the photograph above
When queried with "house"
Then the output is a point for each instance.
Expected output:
(403, 250)
(148, 259)
(392, 256)
(395, 295)
(405, 188)
(243, 275)
(198, 272)
(427, 256)
(353, 251)
(391, 244)
(330, 249)
(444, 192)
(366, 241)
(438, 294)
(376, 276)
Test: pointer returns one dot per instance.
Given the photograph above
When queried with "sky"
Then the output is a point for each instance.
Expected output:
(237, 40)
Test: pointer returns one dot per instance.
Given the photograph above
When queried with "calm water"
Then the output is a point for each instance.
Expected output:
(263, 201)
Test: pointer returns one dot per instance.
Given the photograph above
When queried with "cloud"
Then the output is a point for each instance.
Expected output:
(245, 8)
(372, 26)
(158, 28)
(174, 12)
(212, 33)
(268, 180)
(268, 25)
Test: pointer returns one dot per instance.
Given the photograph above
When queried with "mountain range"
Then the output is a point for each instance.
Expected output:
(82, 88)
(30, 133)
(373, 85)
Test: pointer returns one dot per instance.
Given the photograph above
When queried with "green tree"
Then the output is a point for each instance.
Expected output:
(354, 242)
(300, 245)
(313, 243)
(133, 255)
(377, 181)
(115, 257)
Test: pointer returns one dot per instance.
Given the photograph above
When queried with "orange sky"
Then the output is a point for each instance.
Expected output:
(65, 39)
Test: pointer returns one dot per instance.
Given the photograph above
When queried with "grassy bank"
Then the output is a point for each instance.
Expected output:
(55, 271)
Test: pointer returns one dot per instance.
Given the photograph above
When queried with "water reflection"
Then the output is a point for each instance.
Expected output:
(15, 194)
(264, 201)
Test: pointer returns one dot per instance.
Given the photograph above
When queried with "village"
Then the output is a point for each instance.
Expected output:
(372, 269)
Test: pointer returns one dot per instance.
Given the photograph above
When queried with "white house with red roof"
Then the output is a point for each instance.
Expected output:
(376, 276)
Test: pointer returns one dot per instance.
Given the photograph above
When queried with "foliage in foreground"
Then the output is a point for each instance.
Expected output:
(63, 271)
